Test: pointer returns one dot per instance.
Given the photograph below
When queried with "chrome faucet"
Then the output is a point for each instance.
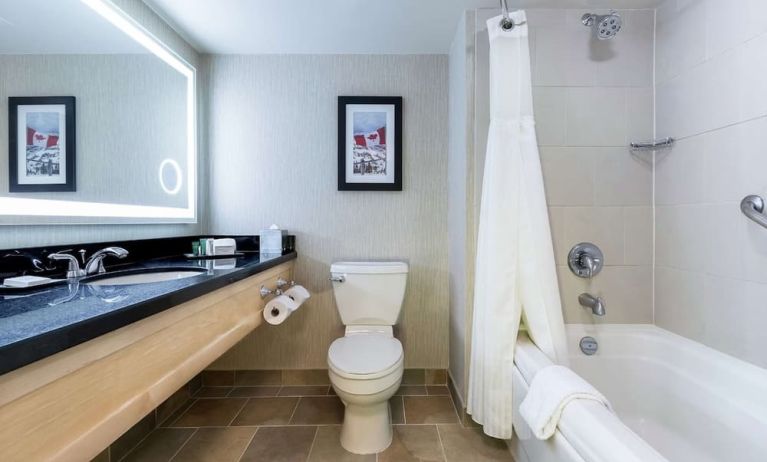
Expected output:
(95, 264)
(73, 270)
(596, 304)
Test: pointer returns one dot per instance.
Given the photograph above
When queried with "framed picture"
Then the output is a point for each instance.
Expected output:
(369, 143)
(41, 152)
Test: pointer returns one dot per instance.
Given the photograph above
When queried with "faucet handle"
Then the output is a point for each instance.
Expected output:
(585, 260)
(73, 268)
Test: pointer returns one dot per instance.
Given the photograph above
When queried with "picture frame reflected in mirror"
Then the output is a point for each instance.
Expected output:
(42, 144)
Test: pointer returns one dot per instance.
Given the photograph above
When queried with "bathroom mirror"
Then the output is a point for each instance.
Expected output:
(134, 153)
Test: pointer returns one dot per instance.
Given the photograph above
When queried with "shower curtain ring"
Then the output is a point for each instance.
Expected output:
(506, 22)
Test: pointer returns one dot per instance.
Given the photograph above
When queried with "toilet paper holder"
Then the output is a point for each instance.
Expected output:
(265, 291)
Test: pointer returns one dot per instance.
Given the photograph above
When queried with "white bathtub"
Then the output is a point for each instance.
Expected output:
(675, 400)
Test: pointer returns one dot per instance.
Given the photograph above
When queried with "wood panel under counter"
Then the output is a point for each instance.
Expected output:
(72, 405)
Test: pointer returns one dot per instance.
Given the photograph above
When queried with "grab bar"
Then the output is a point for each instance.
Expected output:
(752, 206)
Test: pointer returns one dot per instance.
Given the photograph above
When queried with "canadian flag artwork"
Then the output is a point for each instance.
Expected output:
(369, 156)
(43, 137)
(42, 140)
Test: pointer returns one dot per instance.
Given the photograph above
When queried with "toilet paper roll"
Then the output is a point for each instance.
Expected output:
(279, 308)
(299, 294)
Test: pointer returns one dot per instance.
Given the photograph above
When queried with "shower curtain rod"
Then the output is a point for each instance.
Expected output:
(506, 22)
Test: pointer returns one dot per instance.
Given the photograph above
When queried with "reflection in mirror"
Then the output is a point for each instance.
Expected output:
(135, 149)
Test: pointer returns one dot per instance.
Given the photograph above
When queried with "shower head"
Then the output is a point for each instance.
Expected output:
(605, 26)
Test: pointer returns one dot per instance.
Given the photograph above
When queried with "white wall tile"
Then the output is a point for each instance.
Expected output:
(621, 178)
(626, 290)
(539, 18)
(721, 228)
(679, 301)
(735, 314)
(551, 59)
(720, 97)
(568, 175)
(752, 90)
(724, 165)
(596, 116)
(626, 60)
(680, 43)
(557, 224)
(680, 177)
(752, 240)
(729, 23)
(638, 235)
(680, 240)
(640, 109)
(550, 115)
(602, 226)
(711, 260)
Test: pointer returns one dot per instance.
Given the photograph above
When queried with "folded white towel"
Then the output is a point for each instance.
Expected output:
(552, 389)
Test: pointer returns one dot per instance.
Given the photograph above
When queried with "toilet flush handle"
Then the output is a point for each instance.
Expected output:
(338, 278)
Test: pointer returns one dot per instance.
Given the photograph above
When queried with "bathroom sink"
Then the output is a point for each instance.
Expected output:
(143, 276)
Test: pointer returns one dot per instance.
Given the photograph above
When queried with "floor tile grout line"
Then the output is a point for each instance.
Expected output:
(404, 414)
(231, 421)
(295, 408)
(423, 424)
(441, 444)
(183, 444)
(180, 412)
(250, 441)
(133, 448)
(314, 440)
(455, 410)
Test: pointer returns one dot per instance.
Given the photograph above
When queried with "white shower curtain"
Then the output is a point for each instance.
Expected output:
(515, 274)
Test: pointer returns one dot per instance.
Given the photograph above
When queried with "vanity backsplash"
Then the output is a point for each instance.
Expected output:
(35, 261)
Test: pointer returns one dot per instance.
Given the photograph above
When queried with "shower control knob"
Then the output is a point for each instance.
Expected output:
(585, 260)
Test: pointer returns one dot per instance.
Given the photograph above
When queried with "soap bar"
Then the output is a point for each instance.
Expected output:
(26, 281)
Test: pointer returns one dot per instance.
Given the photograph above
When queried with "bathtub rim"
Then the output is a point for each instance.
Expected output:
(738, 382)
(586, 423)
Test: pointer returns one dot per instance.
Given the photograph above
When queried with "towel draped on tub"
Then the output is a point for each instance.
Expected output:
(551, 390)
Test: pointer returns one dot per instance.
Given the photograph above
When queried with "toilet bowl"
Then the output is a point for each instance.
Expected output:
(366, 364)
(366, 370)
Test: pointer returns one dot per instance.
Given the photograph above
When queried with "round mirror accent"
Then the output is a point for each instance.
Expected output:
(170, 176)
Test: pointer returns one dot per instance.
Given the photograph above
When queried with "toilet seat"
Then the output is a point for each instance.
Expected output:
(365, 356)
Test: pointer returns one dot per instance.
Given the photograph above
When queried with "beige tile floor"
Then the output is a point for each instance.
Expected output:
(302, 424)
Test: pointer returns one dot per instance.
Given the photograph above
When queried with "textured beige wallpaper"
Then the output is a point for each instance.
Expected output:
(273, 158)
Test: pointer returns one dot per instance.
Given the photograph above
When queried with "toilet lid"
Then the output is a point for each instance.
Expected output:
(364, 354)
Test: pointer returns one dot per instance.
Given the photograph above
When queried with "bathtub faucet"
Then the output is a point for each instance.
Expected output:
(596, 304)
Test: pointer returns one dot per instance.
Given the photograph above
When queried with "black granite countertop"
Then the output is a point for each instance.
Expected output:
(40, 323)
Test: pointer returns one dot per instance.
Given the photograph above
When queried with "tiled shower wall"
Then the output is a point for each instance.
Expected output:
(591, 99)
(711, 274)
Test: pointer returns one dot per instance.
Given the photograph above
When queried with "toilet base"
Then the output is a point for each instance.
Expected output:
(367, 428)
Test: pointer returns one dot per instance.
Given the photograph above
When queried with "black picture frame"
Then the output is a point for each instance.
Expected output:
(69, 145)
(344, 136)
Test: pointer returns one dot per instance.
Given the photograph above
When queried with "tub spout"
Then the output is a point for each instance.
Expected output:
(596, 304)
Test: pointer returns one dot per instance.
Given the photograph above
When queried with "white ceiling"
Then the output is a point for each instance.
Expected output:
(58, 27)
(336, 26)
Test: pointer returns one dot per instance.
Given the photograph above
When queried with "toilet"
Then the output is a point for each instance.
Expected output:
(366, 364)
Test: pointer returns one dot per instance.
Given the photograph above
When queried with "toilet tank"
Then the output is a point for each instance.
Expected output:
(369, 293)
